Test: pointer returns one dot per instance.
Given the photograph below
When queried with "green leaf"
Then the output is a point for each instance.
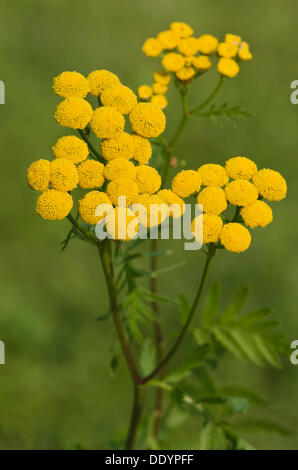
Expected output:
(212, 437)
(194, 361)
(235, 306)
(243, 444)
(225, 112)
(201, 336)
(245, 343)
(211, 305)
(227, 342)
(253, 317)
(242, 392)
(184, 307)
(157, 297)
(238, 404)
(147, 357)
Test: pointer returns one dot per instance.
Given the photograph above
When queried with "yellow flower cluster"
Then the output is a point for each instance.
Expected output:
(247, 188)
(187, 56)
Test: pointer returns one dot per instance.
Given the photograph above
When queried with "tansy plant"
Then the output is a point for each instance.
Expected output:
(111, 161)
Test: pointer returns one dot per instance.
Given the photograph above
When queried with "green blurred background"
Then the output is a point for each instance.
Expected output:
(55, 389)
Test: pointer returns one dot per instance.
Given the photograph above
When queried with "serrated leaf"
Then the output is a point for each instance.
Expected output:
(147, 357)
(211, 305)
(245, 343)
(227, 342)
(253, 317)
(235, 306)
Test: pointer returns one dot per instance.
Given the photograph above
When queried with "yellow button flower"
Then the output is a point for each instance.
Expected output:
(148, 179)
(122, 191)
(160, 101)
(74, 113)
(210, 226)
(38, 175)
(270, 184)
(121, 146)
(173, 61)
(72, 148)
(202, 63)
(120, 168)
(227, 50)
(228, 67)
(236, 238)
(53, 204)
(175, 203)
(168, 39)
(258, 214)
(241, 168)
(185, 74)
(182, 29)
(69, 84)
(100, 79)
(122, 224)
(213, 199)
(233, 39)
(152, 47)
(147, 120)
(159, 89)
(107, 123)
(189, 46)
(241, 193)
(64, 175)
(144, 92)
(244, 52)
(91, 174)
(150, 209)
(207, 44)
(94, 206)
(119, 97)
(213, 175)
(142, 149)
(160, 76)
(186, 183)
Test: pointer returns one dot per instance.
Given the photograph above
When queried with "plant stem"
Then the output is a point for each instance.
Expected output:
(105, 254)
(159, 342)
(81, 229)
(210, 97)
(91, 147)
(191, 315)
(135, 416)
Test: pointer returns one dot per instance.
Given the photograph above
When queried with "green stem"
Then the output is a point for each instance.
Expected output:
(210, 97)
(81, 229)
(91, 147)
(191, 315)
(135, 416)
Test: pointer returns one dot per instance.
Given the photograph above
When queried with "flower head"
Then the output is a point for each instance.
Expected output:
(207, 225)
(74, 113)
(213, 175)
(119, 97)
(89, 204)
(241, 168)
(147, 120)
(241, 193)
(91, 174)
(186, 183)
(160, 101)
(122, 223)
(159, 88)
(69, 84)
(151, 210)
(182, 29)
(162, 77)
(142, 149)
(64, 175)
(207, 44)
(107, 123)
(144, 92)
(173, 61)
(175, 203)
(213, 199)
(152, 47)
(168, 39)
(101, 79)
(270, 184)
(258, 214)
(227, 50)
(120, 168)
(185, 74)
(71, 148)
(228, 67)
(233, 39)
(188, 46)
(122, 188)
(244, 52)
(236, 238)
(202, 63)
(38, 175)
(148, 179)
(54, 205)
(121, 146)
